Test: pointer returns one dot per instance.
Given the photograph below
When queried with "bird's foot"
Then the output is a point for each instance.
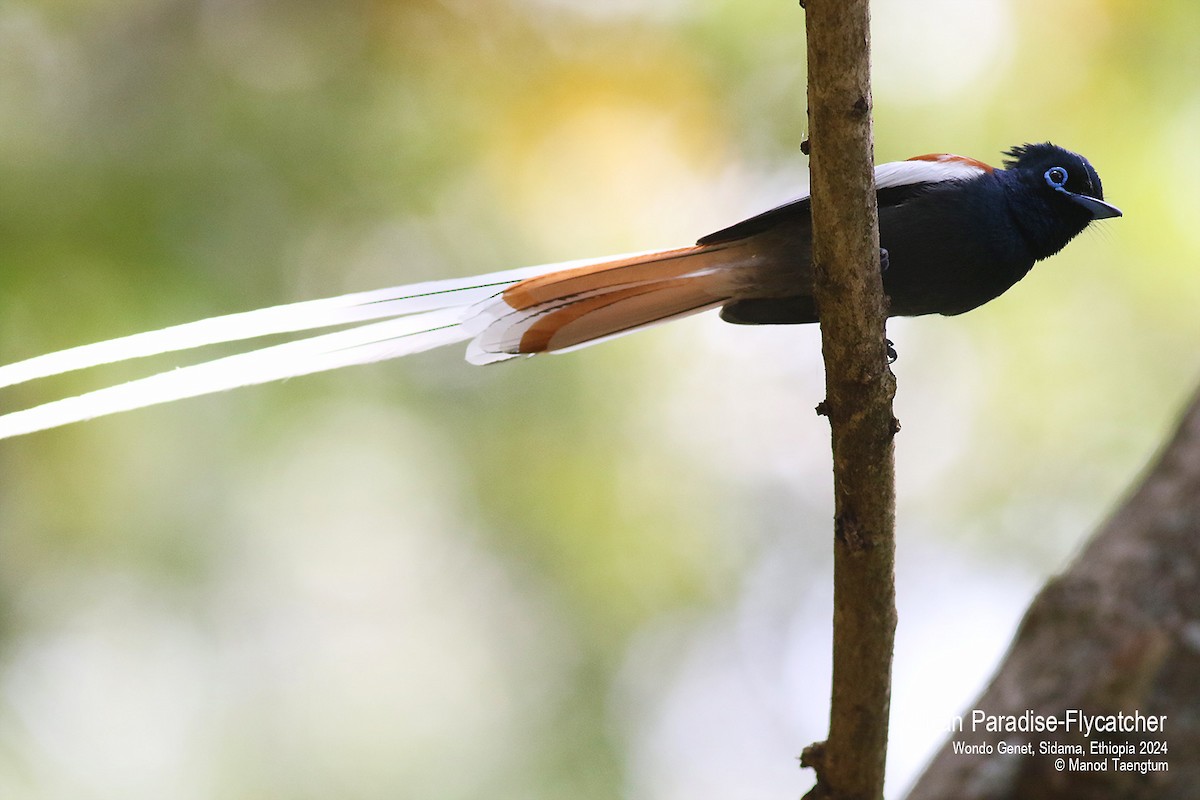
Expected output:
(892, 355)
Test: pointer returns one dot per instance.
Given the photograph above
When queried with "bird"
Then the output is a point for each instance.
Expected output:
(955, 233)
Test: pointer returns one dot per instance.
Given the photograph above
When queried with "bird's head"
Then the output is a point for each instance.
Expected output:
(1062, 175)
(1059, 194)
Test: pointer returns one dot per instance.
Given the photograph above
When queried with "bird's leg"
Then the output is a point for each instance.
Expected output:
(884, 263)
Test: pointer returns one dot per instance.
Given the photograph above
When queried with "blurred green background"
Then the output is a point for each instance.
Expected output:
(601, 575)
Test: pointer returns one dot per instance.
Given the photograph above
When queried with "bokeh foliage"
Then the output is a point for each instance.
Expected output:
(590, 576)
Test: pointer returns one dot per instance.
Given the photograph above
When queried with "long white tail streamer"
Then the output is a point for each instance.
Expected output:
(422, 316)
(290, 318)
(374, 342)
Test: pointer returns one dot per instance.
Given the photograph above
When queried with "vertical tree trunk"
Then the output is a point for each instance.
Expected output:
(858, 401)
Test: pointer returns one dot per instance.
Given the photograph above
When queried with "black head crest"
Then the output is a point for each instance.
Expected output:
(1037, 159)
(1065, 174)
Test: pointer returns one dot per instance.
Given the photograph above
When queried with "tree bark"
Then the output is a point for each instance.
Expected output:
(858, 401)
(1118, 632)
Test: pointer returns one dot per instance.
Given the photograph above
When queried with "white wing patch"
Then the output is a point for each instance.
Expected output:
(945, 168)
(922, 169)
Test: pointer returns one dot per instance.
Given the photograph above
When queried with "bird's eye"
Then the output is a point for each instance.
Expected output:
(1056, 177)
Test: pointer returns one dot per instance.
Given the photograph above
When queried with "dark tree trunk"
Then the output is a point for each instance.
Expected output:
(1119, 632)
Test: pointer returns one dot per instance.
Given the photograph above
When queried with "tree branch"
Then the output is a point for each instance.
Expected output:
(858, 402)
(1118, 632)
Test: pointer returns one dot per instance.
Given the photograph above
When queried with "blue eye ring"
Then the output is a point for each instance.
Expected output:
(1056, 178)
